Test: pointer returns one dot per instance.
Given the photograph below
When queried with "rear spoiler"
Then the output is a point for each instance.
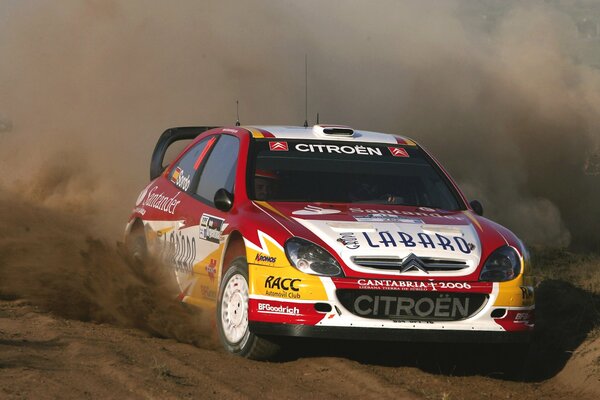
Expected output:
(169, 137)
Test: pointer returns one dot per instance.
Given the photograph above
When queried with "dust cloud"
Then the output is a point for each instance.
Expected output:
(53, 261)
(505, 94)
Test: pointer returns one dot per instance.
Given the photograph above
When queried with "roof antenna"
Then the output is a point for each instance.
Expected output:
(317, 118)
(237, 111)
(306, 90)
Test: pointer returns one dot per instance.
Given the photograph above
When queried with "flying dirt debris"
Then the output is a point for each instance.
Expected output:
(75, 275)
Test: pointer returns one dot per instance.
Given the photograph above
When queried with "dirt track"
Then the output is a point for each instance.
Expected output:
(47, 357)
(77, 320)
(43, 356)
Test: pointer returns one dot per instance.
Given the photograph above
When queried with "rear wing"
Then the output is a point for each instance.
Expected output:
(169, 137)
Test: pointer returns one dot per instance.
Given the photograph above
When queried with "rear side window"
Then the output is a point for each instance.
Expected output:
(219, 171)
(183, 172)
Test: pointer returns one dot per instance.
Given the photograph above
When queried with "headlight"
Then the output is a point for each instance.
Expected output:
(502, 265)
(310, 258)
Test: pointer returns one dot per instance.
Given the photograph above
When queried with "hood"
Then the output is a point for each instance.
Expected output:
(379, 238)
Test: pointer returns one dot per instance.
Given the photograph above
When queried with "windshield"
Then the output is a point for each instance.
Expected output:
(347, 172)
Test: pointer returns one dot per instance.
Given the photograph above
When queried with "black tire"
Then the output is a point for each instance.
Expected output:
(137, 252)
(136, 245)
(242, 342)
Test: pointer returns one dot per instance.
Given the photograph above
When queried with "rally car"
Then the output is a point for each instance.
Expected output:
(328, 232)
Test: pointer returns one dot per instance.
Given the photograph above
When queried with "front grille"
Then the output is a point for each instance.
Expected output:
(395, 263)
(409, 306)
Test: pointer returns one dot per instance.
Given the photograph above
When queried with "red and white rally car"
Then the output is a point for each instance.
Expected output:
(328, 232)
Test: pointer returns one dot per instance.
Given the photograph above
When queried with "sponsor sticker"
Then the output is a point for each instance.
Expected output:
(314, 210)
(267, 308)
(175, 175)
(180, 251)
(285, 282)
(443, 307)
(208, 292)
(517, 320)
(180, 179)
(277, 286)
(391, 284)
(263, 258)
(527, 292)
(387, 218)
(210, 228)
(523, 316)
(161, 202)
(211, 269)
(398, 152)
(422, 240)
(334, 148)
(276, 282)
(278, 146)
(349, 240)
(420, 213)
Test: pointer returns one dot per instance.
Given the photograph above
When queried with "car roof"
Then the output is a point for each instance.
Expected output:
(326, 132)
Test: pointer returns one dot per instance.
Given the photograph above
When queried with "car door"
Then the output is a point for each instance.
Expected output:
(178, 236)
(216, 170)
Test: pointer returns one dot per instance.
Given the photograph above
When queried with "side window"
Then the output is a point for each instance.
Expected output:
(219, 171)
(182, 173)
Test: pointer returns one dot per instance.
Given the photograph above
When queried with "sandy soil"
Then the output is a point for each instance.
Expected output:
(77, 320)
(46, 357)
(583, 369)
(43, 356)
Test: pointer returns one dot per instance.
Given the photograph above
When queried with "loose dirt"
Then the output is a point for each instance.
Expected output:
(79, 320)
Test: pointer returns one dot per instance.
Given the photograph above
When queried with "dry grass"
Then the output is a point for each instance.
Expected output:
(580, 269)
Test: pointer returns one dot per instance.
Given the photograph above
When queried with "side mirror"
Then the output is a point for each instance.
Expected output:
(477, 207)
(223, 200)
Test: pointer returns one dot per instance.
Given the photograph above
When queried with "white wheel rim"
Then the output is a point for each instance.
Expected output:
(234, 309)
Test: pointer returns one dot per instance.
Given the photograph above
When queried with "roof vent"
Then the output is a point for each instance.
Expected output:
(333, 130)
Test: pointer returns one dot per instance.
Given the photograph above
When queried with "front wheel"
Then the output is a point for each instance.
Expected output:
(232, 316)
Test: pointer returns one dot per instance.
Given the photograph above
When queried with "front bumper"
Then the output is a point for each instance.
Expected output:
(389, 334)
(284, 301)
